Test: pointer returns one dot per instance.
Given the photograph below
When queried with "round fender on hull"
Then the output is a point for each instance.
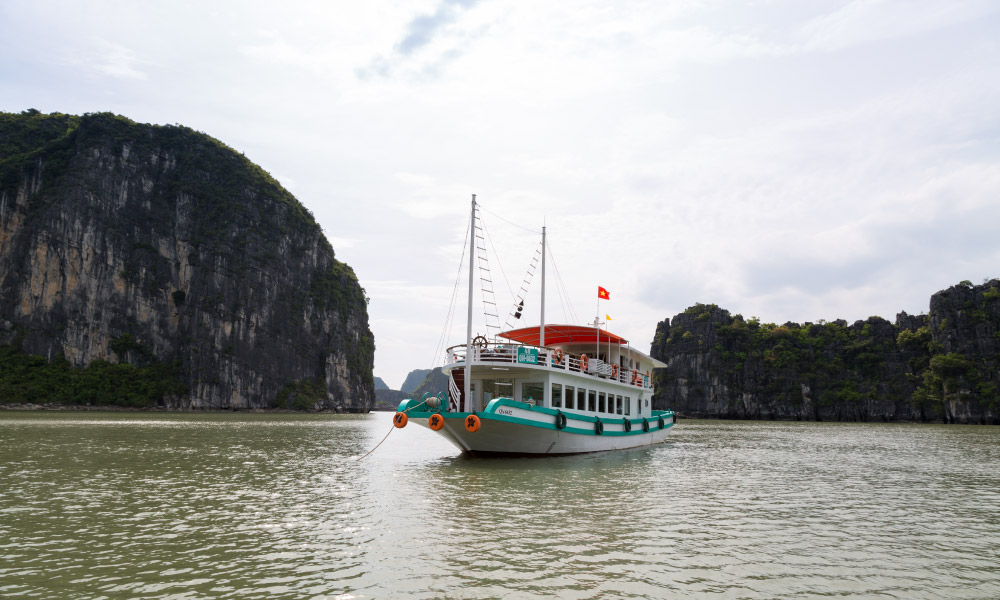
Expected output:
(473, 423)
(400, 419)
(435, 422)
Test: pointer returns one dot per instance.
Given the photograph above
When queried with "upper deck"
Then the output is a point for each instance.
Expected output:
(570, 349)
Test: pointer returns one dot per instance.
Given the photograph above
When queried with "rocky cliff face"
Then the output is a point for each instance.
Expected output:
(132, 243)
(964, 323)
(942, 366)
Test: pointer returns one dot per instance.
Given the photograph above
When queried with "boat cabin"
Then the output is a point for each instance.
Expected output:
(576, 369)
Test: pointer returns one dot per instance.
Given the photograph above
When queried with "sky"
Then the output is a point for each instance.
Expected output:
(789, 160)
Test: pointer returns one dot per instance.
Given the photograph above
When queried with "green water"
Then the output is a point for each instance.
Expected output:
(136, 505)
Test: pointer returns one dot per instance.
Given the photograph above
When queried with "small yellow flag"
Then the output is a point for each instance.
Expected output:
(608, 317)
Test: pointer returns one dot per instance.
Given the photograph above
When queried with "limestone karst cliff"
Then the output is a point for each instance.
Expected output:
(132, 243)
(943, 366)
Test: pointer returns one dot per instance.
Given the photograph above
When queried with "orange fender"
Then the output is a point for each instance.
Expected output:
(473, 423)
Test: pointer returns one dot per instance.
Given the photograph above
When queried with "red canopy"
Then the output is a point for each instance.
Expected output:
(558, 335)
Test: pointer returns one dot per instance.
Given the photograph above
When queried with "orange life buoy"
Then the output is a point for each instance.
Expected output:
(400, 419)
(635, 377)
(584, 362)
(436, 422)
(558, 356)
(472, 423)
(614, 371)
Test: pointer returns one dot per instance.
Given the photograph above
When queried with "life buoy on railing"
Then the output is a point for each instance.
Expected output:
(614, 371)
(436, 422)
(628, 425)
(400, 419)
(560, 420)
(584, 362)
(599, 427)
(635, 377)
(472, 423)
(557, 356)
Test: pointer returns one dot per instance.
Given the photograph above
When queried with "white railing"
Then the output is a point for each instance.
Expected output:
(507, 354)
(454, 395)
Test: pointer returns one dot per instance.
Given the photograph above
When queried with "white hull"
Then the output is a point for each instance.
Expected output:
(498, 437)
(507, 427)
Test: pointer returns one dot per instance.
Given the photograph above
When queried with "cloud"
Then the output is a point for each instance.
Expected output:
(109, 59)
(864, 21)
(423, 28)
(426, 198)
(419, 34)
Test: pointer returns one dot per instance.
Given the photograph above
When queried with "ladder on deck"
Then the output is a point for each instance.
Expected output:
(490, 311)
(515, 312)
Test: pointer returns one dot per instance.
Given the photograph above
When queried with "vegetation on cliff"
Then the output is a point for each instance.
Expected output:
(940, 366)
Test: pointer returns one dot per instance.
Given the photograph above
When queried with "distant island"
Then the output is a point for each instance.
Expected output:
(417, 382)
(153, 266)
(940, 367)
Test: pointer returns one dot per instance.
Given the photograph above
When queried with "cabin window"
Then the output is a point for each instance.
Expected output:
(556, 395)
(592, 401)
(581, 399)
(619, 405)
(628, 406)
(496, 388)
(602, 402)
(533, 392)
(570, 397)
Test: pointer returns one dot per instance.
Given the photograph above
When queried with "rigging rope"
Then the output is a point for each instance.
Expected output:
(449, 318)
(486, 277)
(561, 289)
(390, 431)
(536, 231)
(517, 309)
(489, 238)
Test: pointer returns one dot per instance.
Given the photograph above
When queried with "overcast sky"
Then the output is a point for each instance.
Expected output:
(786, 159)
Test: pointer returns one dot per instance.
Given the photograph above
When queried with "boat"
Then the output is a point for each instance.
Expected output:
(551, 389)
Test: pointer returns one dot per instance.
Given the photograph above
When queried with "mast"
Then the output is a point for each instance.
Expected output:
(468, 327)
(541, 338)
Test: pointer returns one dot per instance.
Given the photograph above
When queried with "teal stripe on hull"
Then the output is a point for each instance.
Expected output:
(490, 414)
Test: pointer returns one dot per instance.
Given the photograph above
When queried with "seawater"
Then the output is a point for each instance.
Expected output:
(153, 505)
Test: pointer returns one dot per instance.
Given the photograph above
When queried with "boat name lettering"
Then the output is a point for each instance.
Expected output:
(505, 411)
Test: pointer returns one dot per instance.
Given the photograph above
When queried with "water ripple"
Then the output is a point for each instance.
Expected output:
(277, 506)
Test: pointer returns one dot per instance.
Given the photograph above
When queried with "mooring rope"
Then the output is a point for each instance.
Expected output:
(390, 429)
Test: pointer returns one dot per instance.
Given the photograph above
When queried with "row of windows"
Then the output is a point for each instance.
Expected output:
(590, 400)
